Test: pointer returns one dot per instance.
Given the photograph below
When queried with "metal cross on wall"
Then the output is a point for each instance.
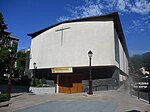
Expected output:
(62, 29)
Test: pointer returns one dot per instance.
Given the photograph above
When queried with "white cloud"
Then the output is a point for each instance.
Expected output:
(98, 7)
(141, 24)
(63, 18)
(142, 29)
(141, 6)
(89, 8)
(121, 5)
(136, 22)
(135, 6)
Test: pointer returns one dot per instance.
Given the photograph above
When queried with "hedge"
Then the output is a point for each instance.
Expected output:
(4, 97)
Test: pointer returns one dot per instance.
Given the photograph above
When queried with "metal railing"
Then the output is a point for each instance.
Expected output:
(101, 88)
(140, 93)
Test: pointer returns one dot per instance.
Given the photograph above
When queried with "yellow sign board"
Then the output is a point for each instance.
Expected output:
(62, 70)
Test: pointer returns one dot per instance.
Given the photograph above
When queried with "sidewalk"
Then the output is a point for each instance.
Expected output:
(122, 101)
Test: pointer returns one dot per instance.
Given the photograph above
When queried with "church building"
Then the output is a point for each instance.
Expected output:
(62, 51)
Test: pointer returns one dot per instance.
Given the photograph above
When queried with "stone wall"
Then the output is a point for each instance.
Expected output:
(103, 84)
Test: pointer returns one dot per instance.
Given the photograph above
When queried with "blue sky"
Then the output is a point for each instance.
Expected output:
(27, 16)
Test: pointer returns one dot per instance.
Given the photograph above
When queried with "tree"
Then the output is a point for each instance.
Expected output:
(146, 61)
(21, 58)
(3, 26)
(4, 46)
(137, 62)
(131, 67)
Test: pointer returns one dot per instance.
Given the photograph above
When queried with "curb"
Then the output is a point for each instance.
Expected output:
(15, 95)
(5, 103)
(140, 99)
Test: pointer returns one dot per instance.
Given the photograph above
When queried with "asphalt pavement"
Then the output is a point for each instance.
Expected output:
(101, 101)
(73, 106)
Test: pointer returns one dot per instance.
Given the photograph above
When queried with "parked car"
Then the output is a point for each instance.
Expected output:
(142, 84)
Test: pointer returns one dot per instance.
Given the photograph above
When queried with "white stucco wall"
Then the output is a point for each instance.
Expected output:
(123, 59)
(121, 56)
(42, 90)
(98, 36)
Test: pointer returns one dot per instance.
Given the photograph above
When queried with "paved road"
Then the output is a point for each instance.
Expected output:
(101, 101)
(73, 106)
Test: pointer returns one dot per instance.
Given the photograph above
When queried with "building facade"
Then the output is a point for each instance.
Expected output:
(62, 50)
(8, 49)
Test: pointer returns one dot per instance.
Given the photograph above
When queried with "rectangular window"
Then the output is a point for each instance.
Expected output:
(10, 41)
(116, 46)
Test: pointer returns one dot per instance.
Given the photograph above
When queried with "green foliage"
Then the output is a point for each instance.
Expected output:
(39, 82)
(6, 44)
(146, 61)
(21, 58)
(36, 81)
(3, 26)
(4, 97)
(4, 61)
(43, 81)
(4, 53)
(138, 61)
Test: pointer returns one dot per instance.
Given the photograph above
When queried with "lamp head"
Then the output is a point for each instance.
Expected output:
(90, 54)
(34, 64)
(10, 50)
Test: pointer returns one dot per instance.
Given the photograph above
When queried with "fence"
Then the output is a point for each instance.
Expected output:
(101, 88)
(141, 94)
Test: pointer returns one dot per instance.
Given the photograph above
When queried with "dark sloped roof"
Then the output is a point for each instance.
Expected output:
(111, 16)
(11, 36)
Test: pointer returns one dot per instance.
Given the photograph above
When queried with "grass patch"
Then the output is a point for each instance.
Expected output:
(4, 97)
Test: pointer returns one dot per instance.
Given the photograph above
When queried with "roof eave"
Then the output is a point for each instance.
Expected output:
(121, 34)
(14, 37)
(110, 15)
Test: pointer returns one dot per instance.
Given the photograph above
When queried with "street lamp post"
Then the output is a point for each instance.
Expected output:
(34, 73)
(149, 91)
(9, 86)
(10, 74)
(90, 73)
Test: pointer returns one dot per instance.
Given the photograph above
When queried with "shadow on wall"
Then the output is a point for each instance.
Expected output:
(17, 85)
(14, 88)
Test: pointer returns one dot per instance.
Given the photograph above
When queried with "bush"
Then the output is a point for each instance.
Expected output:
(39, 83)
(43, 81)
(4, 97)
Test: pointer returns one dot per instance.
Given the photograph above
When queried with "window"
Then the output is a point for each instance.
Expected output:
(116, 46)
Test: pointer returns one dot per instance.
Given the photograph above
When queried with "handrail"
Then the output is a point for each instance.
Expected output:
(96, 87)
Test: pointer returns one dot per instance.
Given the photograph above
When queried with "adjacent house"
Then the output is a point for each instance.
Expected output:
(8, 47)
